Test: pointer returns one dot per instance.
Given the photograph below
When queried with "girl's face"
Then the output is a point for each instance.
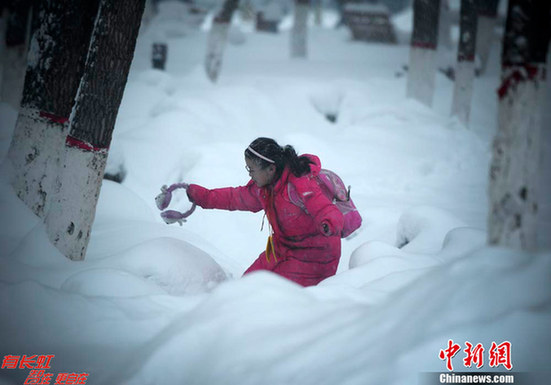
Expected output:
(261, 176)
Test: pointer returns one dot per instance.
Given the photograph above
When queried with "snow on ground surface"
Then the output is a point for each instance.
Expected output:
(158, 304)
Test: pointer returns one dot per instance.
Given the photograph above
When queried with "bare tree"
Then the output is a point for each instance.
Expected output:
(13, 59)
(55, 65)
(487, 18)
(422, 54)
(464, 70)
(299, 46)
(514, 172)
(217, 39)
(70, 218)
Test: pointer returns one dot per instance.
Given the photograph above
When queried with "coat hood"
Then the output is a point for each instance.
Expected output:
(315, 166)
(287, 175)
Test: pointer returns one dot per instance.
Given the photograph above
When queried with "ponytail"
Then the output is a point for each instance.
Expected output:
(299, 165)
(266, 151)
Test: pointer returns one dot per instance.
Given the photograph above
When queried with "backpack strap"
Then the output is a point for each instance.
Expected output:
(294, 197)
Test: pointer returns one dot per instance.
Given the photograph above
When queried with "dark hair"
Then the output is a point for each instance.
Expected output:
(282, 157)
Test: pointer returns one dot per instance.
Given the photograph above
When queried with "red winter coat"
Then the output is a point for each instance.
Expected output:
(304, 253)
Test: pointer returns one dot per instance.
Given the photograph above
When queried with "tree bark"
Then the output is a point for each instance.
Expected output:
(422, 56)
(514, 172)
(70, 218)
(487, 18)
(464, 71)
(299, 44)
(55, 65)
(217, 39)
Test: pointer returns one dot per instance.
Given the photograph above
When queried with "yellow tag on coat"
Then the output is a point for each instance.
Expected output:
(270, 249)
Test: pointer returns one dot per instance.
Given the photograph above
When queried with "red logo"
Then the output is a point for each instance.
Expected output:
(474, 355)
(38, 374)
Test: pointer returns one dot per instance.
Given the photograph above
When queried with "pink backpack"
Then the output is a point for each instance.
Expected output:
(333, 188)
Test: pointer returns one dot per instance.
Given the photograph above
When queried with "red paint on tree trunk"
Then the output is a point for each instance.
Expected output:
(53, 118)
(519, 73)
(74, 142)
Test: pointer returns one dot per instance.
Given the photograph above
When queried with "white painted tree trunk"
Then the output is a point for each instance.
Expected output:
(299, 46)
(421, 78)
(215, 49)
(464, 68)
(484, 39)
(218, 37)
(72, 211)
(35, 156)
(463, 91)
(514, 176)
(70, 218)
(48, 95)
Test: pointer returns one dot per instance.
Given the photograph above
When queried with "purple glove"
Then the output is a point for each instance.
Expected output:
(173, 216)
(163, 199)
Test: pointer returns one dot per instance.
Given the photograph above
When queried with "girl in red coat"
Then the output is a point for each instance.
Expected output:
(304, 244)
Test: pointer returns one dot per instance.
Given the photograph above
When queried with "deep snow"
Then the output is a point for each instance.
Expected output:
(157, 304)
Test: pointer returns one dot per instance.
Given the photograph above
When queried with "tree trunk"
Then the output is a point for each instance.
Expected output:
(422, 55)
(444, 26)
(15, 54)
(317, 12)
(217, 39)
(299, 46)
(3, 48)
(514, 172)
(70, 218)
(487, 18)
(464, 71)
(55, 65)
(340, 10)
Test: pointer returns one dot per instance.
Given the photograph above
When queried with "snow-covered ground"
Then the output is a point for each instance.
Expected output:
(159, 304)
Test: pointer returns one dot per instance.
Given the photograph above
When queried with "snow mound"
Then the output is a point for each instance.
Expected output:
(109, 283)
(174, 265)
(382, 269)
(212, 342)
(422, 229)
(462, 240)
(327, 102)
(17, 219)
(121, 204)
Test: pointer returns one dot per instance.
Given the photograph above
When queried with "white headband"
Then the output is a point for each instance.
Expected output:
(260, 155)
